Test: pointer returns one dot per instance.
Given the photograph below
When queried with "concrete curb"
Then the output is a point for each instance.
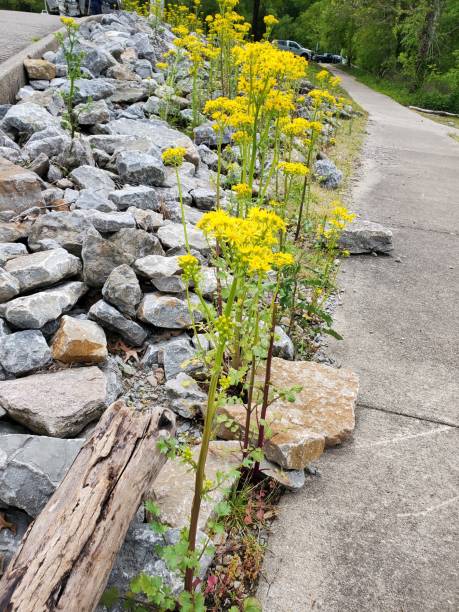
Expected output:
(12, 72)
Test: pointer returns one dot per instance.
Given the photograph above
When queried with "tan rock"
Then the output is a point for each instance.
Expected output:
(79, 341)
(19, 188)
(39, 69)
(321, 415)
(174, 487)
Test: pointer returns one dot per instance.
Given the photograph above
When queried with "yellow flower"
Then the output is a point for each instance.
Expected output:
(190, 266)
(293, 168)
(242, 190)
(283, 259)
(322, 75)
(161, 65)
(270, 21)
(174, 156)
(335, 81)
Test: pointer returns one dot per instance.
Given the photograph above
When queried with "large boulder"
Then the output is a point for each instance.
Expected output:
(88, 177)
(39, 69)
(24, 352)
(165, 273)
(43, 269)
(9, 286)
(34, 311)
(79, 341)
(122, 289)
(322, 413)
(48, 403)
(136, 168)
(100, 257)
(32, 469)
(113, 320)
(172, 236)
(27, 118)
(20, 189)
(139, 196)
(328, 174)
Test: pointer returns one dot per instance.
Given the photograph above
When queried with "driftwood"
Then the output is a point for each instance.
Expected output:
(433, 112)
(65, 558)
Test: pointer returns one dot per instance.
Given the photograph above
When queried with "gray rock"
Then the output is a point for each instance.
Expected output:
(33, 467)
(107, 222)
(43, 269)
(9, 286)
(24, 352)
(34, 311)
(203, 198)
(186, 398)
(40, 84)
(136, 243)
(128, 94)
(283, 345)
(100, 257)
(111, 319)
(153, 105)
(4, 329)
(10, 232)
(40, 165)
(11, 155)
(147, 220)
(48, 404)
(122, 289)
(91, 200)
(366, 237)
(207, 281)
(113, 377)
(164, 272)
(10, 250)
(208, 157)
(328, 174)
(95, 58)
(91, 89)
(20, 189)
(76, 155)
(205, 134)
(173, 212)
(66, 229)
(51, 142)
(173, 236)
(10, 540)
(93, 113)
(6, 141)
(140, 168)
(88, 177)
(27, 118)
(293, 480)
(112, 143)
(139, 196)
(143, 68)
(166, 311)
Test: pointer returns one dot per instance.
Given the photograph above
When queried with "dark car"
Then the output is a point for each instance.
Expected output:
(328, 58)
(293, 47)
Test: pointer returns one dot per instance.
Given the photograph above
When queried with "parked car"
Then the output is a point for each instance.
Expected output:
(328, 58)
(293, 47)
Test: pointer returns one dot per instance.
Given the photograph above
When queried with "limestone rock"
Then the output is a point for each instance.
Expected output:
(20, 189)
(110, 318)
(39, 69)
(204, 198)
(9, 286)
(92, 200)
(67, 229)
(24, 352)
(172, 236)
(174, 486)
(27, 118)
(139, 196)
(366, 237)
(10, 250)
(43, 269)
(329, 175)
(147, 220)
(122, 289)
(79, 341)
(283, 345)
(58, 404)
(164, 272)
(32, 469)
(165, 311)
(100, 257)
(10, 232)
(186, 398)
(91, 89)
(322, 413)
(108, 222)
(34, 311)
(136, 243)
(140, 168)
(96, 112)
(88, 177)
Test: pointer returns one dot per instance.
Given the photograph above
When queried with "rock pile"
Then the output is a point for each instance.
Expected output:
(90, 234)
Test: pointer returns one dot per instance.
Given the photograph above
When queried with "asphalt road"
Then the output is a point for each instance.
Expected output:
(18, 30)
(378, 530)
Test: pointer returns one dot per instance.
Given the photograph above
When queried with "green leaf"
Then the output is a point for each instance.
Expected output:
(110, 597)
(152, 508)
(251, 604)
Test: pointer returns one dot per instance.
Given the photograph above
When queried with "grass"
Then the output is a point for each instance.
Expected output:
(394, 89)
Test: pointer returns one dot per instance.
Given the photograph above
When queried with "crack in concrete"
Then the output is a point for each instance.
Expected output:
(447, 502)
(409, 416)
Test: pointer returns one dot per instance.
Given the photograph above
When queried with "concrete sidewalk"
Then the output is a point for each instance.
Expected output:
(18, 30)
(378, 531)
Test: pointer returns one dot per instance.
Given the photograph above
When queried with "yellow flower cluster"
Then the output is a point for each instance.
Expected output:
(190, 266)
(293, 168)
(70, 23)
(174, 156)
(242, 190)
(321, 96)
(270, 21)
(251, 240)
(340, 216)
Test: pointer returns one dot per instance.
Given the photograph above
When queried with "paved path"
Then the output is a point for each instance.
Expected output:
(18, 30)
(378, 530)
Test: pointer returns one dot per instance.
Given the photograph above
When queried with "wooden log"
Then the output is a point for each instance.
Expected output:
(433, 112)
(65, 557)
